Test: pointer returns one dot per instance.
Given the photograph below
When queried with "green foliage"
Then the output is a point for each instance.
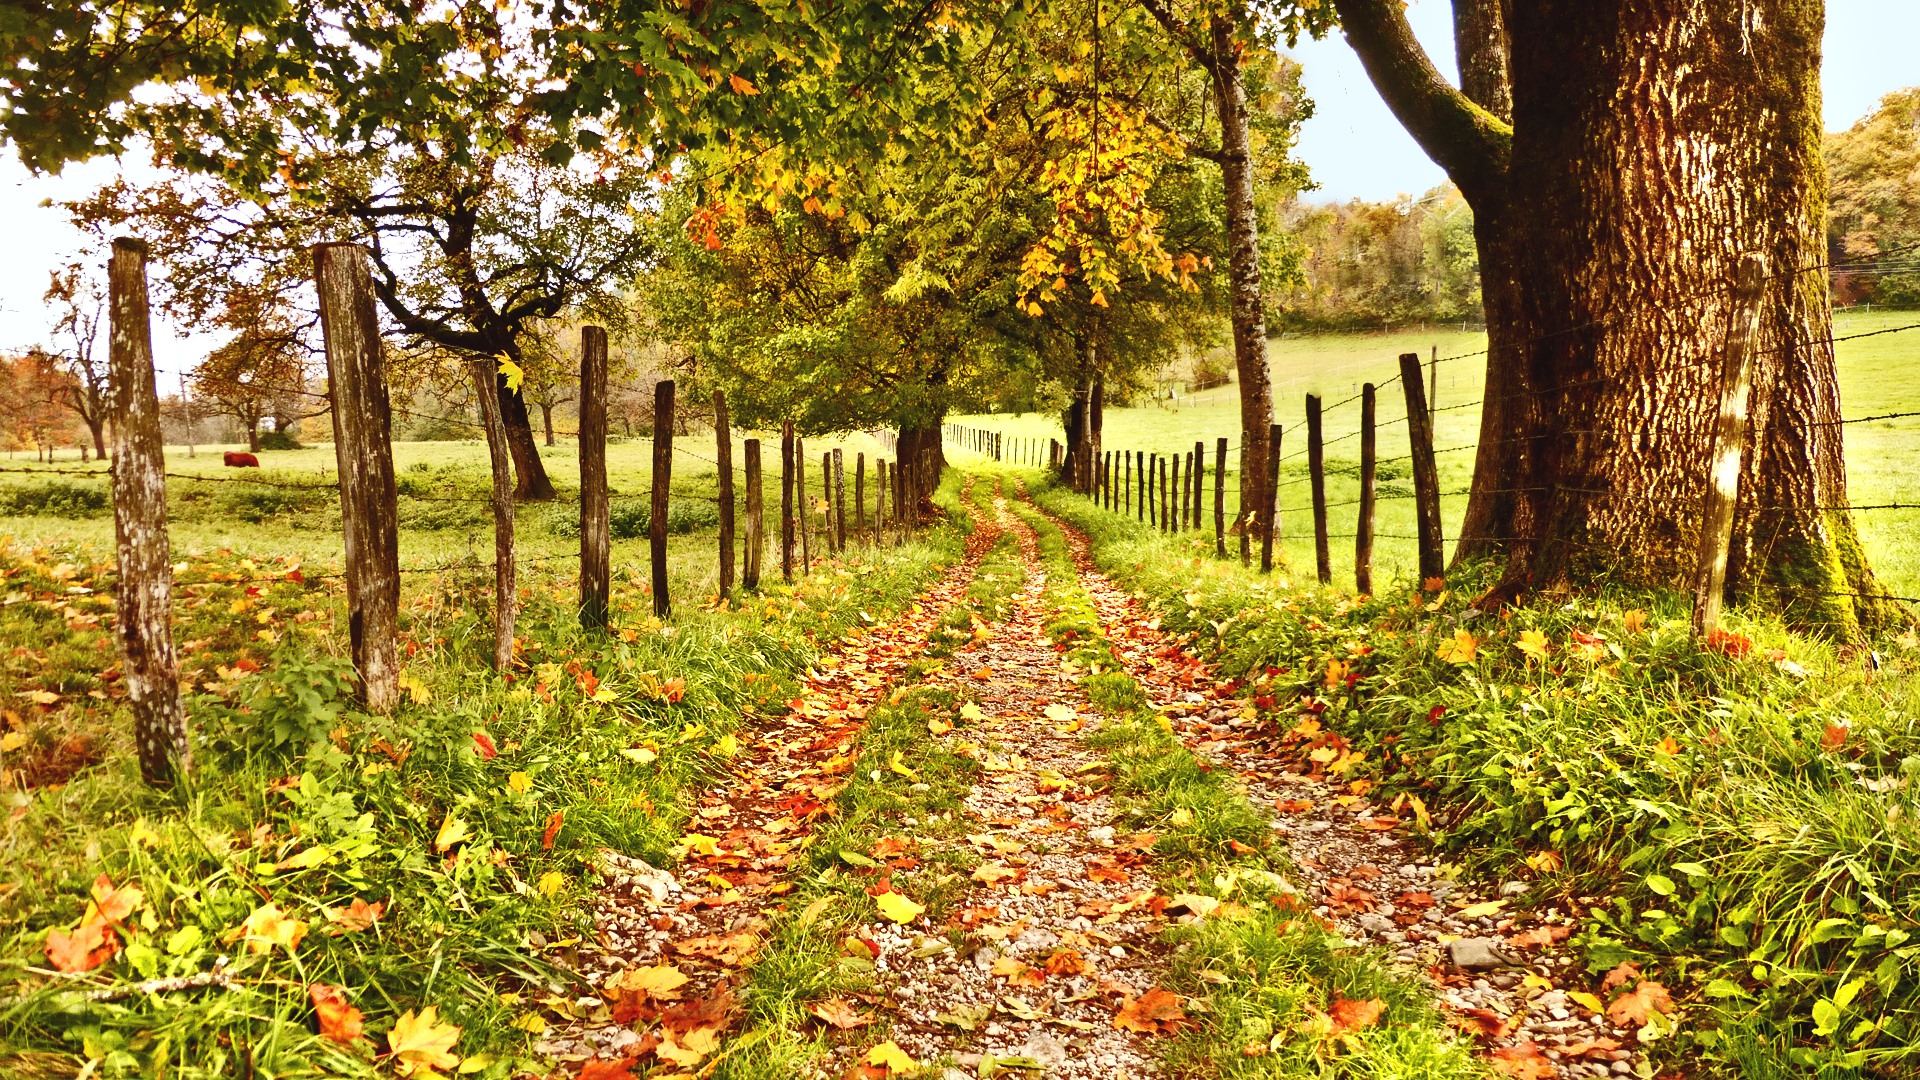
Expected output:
(1873, 177)
(56, 498)
(1373, 265)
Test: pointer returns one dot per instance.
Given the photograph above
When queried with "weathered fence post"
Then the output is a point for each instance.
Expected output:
(143, 604)
(1426, 475)
(1363, 529)
(880, 481)
(1176, 507)
(1220, 499)
(596, 542)
(840, 501)
(486, 378)
(1160, 469)
(911, 490)
(1317, 478)
(800, 495)
(787, 457)
(750, 571)
(1126, 482)
(826, 502)
(1269, 515)
(1142, 483)
(1729, 442)
(860, 493)
(723, 459)
(1199, 484)
(363, 451)
(662, 490)
(1433, 383)
(1248, 519)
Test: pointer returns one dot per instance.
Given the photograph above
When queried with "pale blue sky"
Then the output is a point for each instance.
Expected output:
(1354, 147)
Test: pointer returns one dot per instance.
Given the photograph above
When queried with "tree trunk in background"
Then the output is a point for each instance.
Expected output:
(1651, 147)
(253, 436)
(920, 445)
(546, 420)
(1247, 304)
(1096, 419)
(530, 483)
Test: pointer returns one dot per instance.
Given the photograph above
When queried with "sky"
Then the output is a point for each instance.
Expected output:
(1353, 145)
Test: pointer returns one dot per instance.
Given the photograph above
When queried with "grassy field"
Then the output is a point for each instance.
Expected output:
(1875, 378)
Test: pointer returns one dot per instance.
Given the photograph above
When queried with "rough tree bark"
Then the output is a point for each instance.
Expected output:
(1653, 143)
(919, 447)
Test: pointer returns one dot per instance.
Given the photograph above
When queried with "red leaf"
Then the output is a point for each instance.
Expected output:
(553, 830)
(485, 742)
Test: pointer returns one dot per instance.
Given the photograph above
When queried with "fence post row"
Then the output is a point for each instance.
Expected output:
(826, 502)
(1269, 515)
(1363, 529)
(505, 592)
(1317, 480)
(723, 459)
(596, 543)
(1729, 441)
(1426, 475)
(1199, 483)
(143, 604)
(786, 500)
(363, 451)
(1171, 502)
(750, 571)
(840, 499)
(800, 507)
(662, 488)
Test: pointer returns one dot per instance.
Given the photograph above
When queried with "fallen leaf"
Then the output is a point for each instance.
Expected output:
(1590, 1002)
(841, 1013)
(452, 831)
(983, 674)
(553, 829)
(356, 916)
(608, 1069)
(897, 907)
(339, 1021)
(1523, 1062)
(1066, 962)
(661, 982)
(1461, 648)
(687, 1048)
(1481, 1023)
(1620, 976)
(1668, 746)
(1350, 1015)
(268, 926)
(898, 764)
(1540, 937)
(890, 1057)
(1633, 1007)
(1833, 737)
(1155, 1012)
(1533, 643)
(484, 742)
(419, 1041)
(1481, 910)
(84, 949)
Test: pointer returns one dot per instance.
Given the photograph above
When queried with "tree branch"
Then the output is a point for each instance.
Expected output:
(1466, 140)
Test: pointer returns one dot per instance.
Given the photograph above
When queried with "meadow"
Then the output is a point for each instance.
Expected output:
(1875, 378)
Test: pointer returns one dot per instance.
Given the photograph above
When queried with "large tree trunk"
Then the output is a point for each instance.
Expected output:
(98, 429)
(1246, 304)
(1652, 145)
(530, 483)
(920, 448)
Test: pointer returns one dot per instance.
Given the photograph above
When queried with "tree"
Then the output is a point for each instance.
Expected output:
(1873, 220)
(1620, 161)
(32, 385)
(261, 371)
(77, 306)
(467, 258)
(1369, 265)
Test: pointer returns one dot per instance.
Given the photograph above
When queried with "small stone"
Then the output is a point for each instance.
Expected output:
(1045, 1049)
(984, 958)
(1478, 954)
(1621, 1068)
(1513, 888)
(1116, 951)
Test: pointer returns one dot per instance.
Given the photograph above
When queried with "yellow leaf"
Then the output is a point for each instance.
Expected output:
(726, 745)
(268, 926)
(1533, 643)
(1478, 911)
(938, 726)
(899, 765)
(890, 1057)
(11, 741)
(639, 755)
(452, 831)
(1590, 1002)
(897, 907)
(551, 883)
(696, 844)
(41, 697)
(532, 1024)
(742, 86)
(604, 695)
(1181, 816)
(520, 783)
(660, 981)
(1059, 713)
(686, 1049)
(417, 691)
(141, 833)
(971, 711)
(421, 1043)
(1459, 649)
(515, 375)
(1668, 745)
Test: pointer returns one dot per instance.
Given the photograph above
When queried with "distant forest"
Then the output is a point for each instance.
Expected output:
(1368, 265)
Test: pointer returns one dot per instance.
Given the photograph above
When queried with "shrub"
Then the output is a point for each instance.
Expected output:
(56, 499)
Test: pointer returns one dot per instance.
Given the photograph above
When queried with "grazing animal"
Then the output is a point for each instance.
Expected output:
(238, 460)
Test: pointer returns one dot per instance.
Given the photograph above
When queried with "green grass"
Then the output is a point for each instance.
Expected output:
(1874, 379)
(1748, 820)
(286, 766)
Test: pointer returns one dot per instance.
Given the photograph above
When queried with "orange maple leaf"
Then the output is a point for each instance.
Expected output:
(1350, 1015)
(1632, 1008)
(1155, 1012)
(339, 1021)
(1523, 1062)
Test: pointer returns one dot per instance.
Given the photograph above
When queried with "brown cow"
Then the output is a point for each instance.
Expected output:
(239, 460)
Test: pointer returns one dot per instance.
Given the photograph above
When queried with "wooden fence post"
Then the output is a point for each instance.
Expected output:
(860, 492)
(1176, 508)
(486, 377)
(840, 501)
(1317, 478)
(1141, 483)
(787, 457)
(1220, 499)
(750, 572)
(1426, 475)
(1160, 470)
(1729, 443)
(1363, 529)
(363, 451)
(1433, 384)
(596, 542)
(826, 502)
(1248, 517)
(910, 488)
(879, 497)
(723, 458)
(662, 490)
(1269, 515)
(1126, 482)
(143, 603)
(800, 499)
(1199, 475)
